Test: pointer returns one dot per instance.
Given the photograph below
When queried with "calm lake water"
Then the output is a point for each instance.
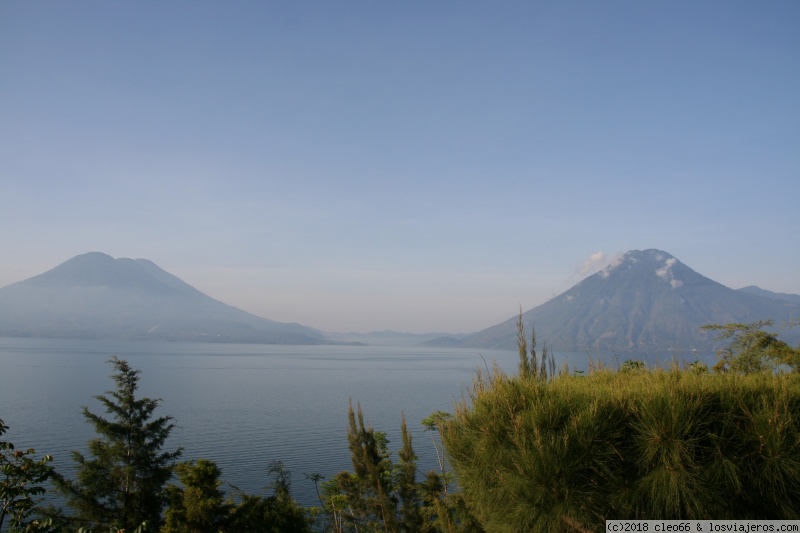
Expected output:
(241, 406)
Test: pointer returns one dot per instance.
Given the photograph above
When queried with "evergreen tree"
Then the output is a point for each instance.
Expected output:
(531, 365)
(199, 505)
(277, 513)
(122, 482)
(383, 496)
(411, 519)
(370, 486)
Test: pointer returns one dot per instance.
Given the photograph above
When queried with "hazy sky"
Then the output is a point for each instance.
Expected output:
(417, 166)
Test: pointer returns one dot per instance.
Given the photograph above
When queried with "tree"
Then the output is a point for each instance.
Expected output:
(752, 349)
(276, 513)
(199, 506)
(444, 510)
(20, 480)
(122, 482)
(411, 518)
(381, 495)
(531, 365)
(364, 498)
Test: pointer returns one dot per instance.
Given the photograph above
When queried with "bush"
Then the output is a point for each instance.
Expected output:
(568, 453)
(21, 480)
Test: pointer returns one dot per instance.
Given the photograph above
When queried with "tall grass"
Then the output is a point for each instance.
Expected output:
(567, 453)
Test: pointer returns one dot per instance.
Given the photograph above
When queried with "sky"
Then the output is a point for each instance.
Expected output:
(416, 166)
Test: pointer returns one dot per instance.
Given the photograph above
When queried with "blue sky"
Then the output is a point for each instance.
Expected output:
(417, 166)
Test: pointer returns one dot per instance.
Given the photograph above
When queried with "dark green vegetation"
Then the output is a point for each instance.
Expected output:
(540, 451)
(752, 349)
(199, 505)
(122, 482)
(545, 452)
(21, 478)
(381, 495)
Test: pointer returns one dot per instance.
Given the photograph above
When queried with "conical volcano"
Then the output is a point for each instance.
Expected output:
(647, 302)
(96, 296)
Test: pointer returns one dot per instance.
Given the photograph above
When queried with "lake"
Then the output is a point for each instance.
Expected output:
(241, 405)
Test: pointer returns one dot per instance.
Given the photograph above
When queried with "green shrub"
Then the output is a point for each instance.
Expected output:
(568, 453)
(21, 481)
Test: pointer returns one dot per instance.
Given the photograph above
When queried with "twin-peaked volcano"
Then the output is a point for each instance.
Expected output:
(647, 302)
(96, 296)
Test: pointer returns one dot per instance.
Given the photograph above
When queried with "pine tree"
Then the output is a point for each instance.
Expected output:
(411, 519)
(276, 513)
(198, 506)
(384, 496)
(122, 482)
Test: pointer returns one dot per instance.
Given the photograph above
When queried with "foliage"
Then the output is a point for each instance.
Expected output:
(632, 365)
(752, 349)
(381, 495)
(277, 513)
(363, 498)
(529, 363)
(21, 477)
(115, 529)
(122, 483)
(200, 506)
(568, 453)
(536, 452)
(431, 424)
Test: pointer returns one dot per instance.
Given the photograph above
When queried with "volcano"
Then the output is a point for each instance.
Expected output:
(94, 296)
(646, 302)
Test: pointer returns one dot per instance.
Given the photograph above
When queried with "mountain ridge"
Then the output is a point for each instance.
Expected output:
(645, 301)
(752, 289)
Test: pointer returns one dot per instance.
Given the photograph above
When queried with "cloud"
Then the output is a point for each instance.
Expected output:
(593, 263)
(664, 272)
(600, 261)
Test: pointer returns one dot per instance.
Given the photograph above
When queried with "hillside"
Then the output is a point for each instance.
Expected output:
(752, 289)
(646, 302)
(96, 296)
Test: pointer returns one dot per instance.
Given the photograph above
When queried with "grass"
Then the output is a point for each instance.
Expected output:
(569, 452)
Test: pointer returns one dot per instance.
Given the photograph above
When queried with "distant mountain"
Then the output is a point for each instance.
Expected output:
(646, 302)
(752, 289)
(393, 338)
(96, 296)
